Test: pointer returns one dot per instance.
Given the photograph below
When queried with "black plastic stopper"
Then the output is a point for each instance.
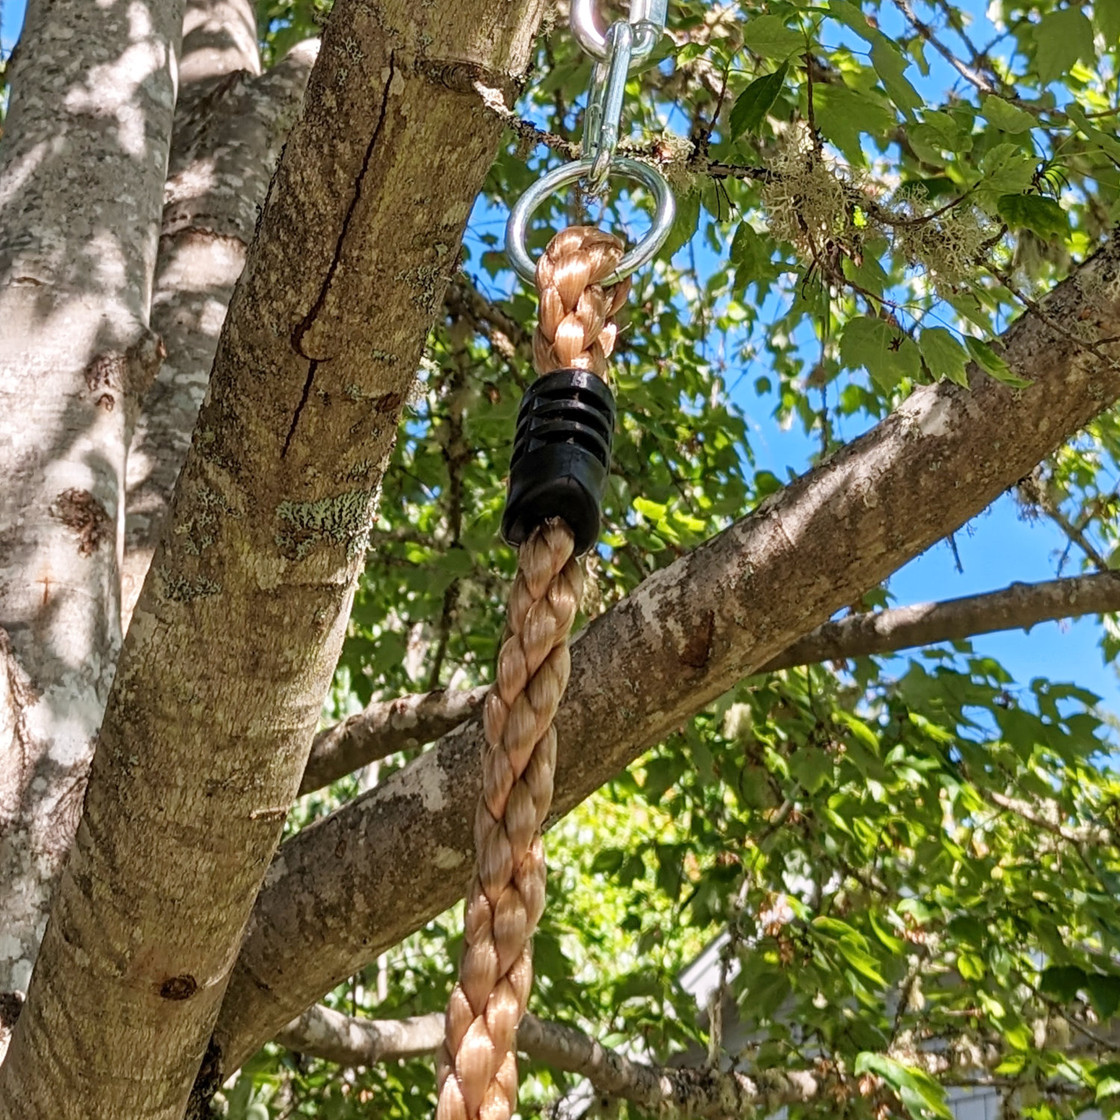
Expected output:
(561, 456)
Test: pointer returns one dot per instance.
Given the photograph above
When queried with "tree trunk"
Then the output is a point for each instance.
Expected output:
(238, 628)
(228, 135)
(352, 885)
(82, 168)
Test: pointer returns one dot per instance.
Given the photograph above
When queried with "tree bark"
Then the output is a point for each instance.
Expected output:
(385, 727)
(82, 167)
(355, 883)
(1018, 607)
(713, 1093)
(706, 1092)
(228, 134)
(219, 39)
(237, 630)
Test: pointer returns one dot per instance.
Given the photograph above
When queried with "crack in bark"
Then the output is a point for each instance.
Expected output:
(312, 366)
(332, 268)
(309, 319)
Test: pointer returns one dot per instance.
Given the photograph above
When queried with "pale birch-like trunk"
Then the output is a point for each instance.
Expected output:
(82, 167)
(237, 630)
(229, 129)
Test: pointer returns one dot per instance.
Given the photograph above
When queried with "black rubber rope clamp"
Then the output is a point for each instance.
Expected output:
(561, 456)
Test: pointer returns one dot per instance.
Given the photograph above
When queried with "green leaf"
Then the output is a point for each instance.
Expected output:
(1062, 982)
(853, 18)
(768, 36)
(886, 352)
(1061, 38)
(890, 65)
(1006, 116)
(989, 361)
(1007, 168)
(863, 962)
(652, 511)
(918, 1091)
(1104, 994)
(1107, 142)
(1106, 15)
(689, 52)
(812, 767)
(767, 993)
(970, 966)
(750, 254)
(1031, 211)
(944, 355)
(752, 105)
(843, 114)
(685, 224)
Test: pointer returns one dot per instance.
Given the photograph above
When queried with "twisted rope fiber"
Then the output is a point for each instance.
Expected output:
(477, 1062)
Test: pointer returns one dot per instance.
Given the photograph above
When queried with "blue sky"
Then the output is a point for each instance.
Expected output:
(995, 549)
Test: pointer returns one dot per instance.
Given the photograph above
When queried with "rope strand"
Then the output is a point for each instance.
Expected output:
(477, 1062)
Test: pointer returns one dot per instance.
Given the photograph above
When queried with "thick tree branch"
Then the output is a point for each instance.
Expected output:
(238, 628)
(388, 726)
(343, 890)
(691, 1091)
(219, 39)
(349, 1041)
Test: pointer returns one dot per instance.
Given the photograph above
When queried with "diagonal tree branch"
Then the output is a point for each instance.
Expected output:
(383, 728)
(343, 890)
(1051, 817)
(388, 726)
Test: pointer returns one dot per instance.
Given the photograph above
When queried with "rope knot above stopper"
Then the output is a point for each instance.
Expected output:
(576, 328)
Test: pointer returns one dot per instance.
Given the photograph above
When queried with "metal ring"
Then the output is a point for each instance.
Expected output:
(664, 211)
(647, 17)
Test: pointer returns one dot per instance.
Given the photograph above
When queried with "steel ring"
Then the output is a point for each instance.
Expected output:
(649, 177)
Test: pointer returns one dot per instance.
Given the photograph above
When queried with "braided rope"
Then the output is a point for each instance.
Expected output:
(477, 1062)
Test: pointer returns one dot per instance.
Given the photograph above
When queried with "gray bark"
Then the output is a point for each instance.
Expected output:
(236, 633)
(226, 142)
(82, 167)
(219, 39)
(355, 883)
(712, 1092)
(1018, 607)
(385, 727)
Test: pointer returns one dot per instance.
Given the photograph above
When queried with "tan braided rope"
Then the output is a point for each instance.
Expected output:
(477, 1062)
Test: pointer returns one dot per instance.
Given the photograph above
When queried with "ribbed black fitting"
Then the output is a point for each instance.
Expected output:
(561, 456)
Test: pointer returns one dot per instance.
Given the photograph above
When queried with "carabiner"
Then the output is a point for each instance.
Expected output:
(647, 18)
(604, 105)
